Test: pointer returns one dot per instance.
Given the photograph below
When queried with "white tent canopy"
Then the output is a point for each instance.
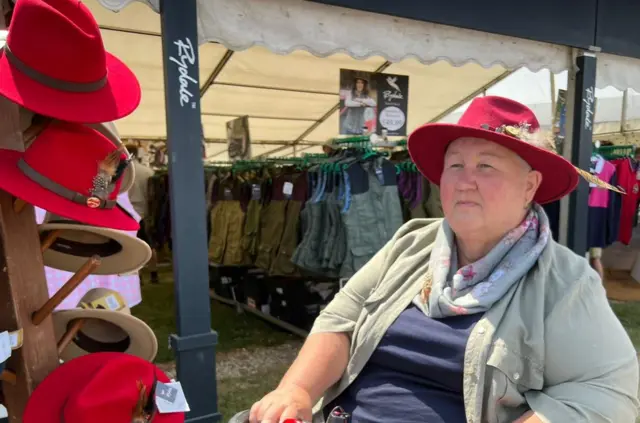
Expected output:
(291, 97)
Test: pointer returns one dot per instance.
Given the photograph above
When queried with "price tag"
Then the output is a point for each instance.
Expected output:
(287, 188)
(112, 302)
(256, 194)
(380, 175)
(16, 339)
(5, 346)
(227, 194)
(170, 398)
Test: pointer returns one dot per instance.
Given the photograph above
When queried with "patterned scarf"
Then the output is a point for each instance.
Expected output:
(476, 287)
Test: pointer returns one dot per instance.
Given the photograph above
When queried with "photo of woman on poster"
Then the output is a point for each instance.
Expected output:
(357, 103)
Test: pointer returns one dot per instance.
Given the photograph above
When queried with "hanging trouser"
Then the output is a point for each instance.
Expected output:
(250, 239)
(227, 226)
(282, 264)
(272, 220)
(225, 245)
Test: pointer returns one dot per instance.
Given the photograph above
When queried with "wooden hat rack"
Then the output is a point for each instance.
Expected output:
(25, 299)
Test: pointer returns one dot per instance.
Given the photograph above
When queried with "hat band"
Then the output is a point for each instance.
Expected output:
(56, 188)
(83, 249)
(51, 82)
(91, 345)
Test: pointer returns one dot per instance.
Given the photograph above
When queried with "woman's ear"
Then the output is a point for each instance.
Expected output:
(534, 179)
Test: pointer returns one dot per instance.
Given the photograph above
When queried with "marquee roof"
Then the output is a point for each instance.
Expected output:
(287, 81)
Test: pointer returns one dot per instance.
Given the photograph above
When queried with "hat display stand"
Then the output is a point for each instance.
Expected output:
(51, 104)
(40, 357)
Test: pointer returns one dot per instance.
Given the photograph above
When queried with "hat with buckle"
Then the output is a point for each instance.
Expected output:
(109, 327)
(100, 388)
(76, 81)
(76, 242)
(502, 121)
(70, 170)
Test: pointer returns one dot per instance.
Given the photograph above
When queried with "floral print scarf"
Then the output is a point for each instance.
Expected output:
(476, 287)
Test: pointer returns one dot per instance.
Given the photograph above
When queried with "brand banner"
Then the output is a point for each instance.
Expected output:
(373, 103)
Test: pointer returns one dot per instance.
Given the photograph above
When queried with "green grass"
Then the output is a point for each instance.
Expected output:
(234, 330)
(235, 395)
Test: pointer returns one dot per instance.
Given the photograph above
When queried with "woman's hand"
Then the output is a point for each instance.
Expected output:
(286, 402)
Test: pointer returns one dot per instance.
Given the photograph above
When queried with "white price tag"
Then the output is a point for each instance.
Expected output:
(170, 398)
(287, 188)
(15, 339)
(5, 346)
(112, 302)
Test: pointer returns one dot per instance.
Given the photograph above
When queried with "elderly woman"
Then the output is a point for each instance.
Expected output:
(480, 317)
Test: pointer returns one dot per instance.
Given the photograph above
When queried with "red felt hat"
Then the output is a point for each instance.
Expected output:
(96, 388)
(505, 122)
(54, 64)
(60, 172)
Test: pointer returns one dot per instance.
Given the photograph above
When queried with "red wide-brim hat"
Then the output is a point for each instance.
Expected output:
(67, 156)
(96, 388)
(76, 80)
(498, 120)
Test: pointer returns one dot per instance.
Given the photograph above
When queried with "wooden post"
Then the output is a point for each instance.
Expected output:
(70, 334)
(23, 290)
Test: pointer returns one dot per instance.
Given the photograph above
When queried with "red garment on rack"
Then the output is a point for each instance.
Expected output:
(626, 172)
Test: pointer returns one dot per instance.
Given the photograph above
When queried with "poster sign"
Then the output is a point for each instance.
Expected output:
(238, 139)
(373, 103)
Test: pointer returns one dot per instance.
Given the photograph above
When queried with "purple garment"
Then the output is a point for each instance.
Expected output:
(127, 285)
(410, 187)
(419, 191)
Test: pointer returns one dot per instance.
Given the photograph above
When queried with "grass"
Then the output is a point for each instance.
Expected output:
(234, 330)
(235, 395)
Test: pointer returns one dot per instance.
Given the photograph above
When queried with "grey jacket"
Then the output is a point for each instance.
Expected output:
(552, 344)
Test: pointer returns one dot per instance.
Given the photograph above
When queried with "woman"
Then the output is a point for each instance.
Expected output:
(480, 317)
(356, 102)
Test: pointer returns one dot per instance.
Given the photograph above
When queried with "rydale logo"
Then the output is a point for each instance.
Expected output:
(186, 58)
(391, 95)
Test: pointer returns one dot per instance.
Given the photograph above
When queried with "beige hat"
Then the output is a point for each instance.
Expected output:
(109, 327)
(119, 251)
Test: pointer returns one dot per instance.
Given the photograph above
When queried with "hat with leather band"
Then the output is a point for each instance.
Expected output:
(72, 171)
(109, 327)
(100, 388)
(119, 251)
(76, 80)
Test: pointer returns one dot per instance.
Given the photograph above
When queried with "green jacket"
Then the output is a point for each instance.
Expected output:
(552, 344)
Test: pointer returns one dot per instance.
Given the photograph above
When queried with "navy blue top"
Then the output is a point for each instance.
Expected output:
(415, 373)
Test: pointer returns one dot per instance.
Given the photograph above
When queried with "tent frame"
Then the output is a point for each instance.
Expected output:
(195, 342)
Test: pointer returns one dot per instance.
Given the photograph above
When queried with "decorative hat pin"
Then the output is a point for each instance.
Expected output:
(103, 181)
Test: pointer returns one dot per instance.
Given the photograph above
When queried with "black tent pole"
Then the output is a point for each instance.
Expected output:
(194, 344)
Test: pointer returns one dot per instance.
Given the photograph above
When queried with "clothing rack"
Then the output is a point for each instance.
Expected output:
(611, 152)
